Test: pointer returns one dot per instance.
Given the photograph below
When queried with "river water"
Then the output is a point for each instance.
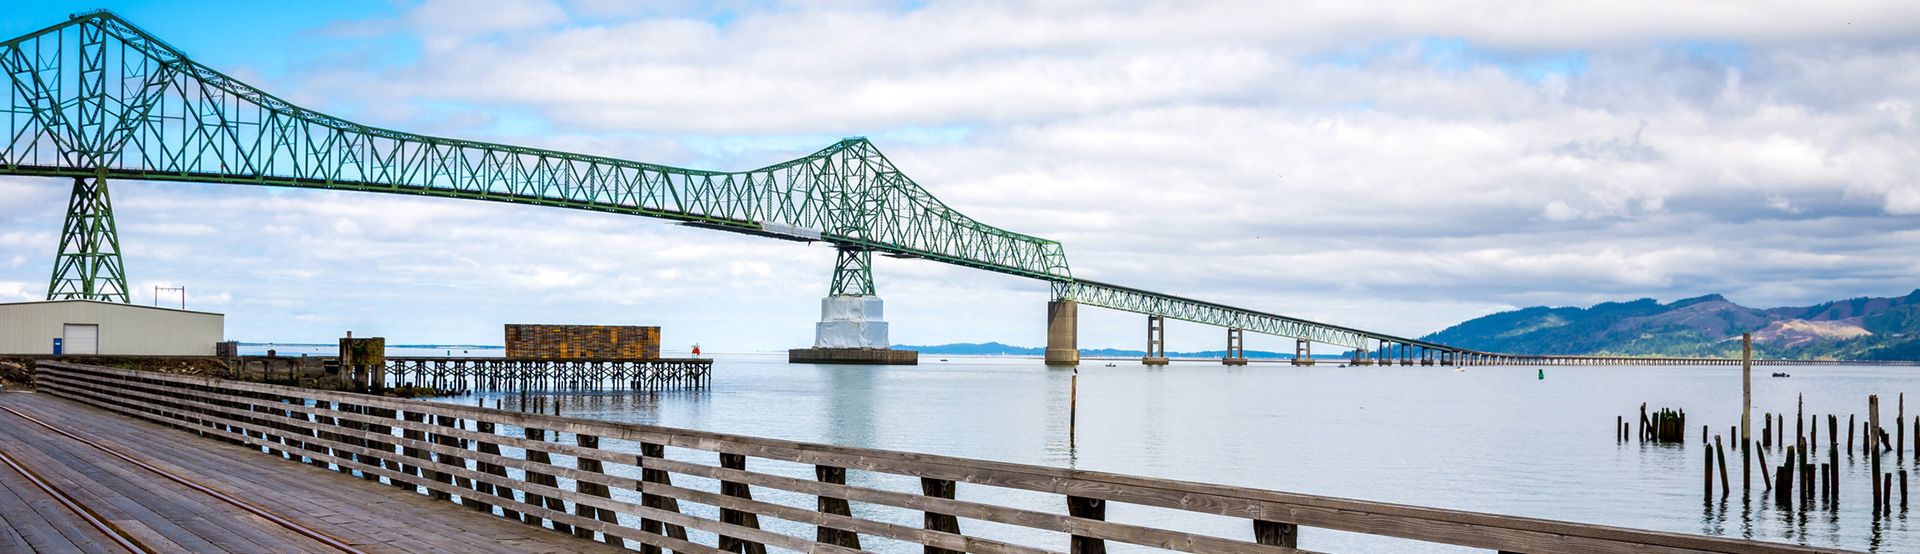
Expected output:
(1491, 439)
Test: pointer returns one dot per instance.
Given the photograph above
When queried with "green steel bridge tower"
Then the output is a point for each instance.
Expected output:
(95, 99)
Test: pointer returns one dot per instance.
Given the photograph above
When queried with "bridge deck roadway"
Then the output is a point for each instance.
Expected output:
(166, 516)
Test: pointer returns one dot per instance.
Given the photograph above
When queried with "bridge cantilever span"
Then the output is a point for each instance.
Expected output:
(96, 98)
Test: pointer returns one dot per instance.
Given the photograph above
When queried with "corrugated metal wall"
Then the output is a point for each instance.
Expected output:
(123, 329)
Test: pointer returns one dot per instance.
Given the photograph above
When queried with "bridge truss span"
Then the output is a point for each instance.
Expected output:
(1165, 305)
(96, 98)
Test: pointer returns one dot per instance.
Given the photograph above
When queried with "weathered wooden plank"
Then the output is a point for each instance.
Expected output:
(412, 517)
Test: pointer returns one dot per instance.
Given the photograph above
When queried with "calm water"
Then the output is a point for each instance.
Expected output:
(1490, 439)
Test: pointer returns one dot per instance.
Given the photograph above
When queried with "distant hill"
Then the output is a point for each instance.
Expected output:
(1856, 329)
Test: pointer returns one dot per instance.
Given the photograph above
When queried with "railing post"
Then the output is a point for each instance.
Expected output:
(655, 501)
(939, 488)
(835, 506)
(451, 460)
(596, 489)
(418, 470)
(388, 462)
(1274, 533)
(737, 517)
(322, 407)
(538, 478)
(492, 469)
(1089, 508)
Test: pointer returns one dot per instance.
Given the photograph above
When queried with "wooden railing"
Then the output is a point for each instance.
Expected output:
(652, 488)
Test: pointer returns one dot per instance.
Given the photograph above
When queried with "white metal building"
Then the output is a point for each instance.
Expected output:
(107, 328)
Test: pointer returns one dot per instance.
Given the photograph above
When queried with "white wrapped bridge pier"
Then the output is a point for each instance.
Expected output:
(851, 322)
(852, 330)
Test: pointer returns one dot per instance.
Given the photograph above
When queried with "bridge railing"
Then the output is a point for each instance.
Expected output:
(702, 492)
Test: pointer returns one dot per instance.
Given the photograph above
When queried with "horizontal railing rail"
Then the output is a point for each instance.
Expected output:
(692, 491)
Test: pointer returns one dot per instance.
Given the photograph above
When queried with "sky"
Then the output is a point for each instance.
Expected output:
(1392, 166)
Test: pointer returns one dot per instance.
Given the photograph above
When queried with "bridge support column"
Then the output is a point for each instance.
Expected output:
(1156, 341)
(852, 328)
(1236, 349)
(1302, 352)
(88, 266)
(1063, 332)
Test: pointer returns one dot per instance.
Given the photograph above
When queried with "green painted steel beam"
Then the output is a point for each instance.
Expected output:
(1198, 311)
(96, 98)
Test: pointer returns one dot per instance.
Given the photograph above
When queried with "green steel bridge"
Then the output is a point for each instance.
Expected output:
(96, 99)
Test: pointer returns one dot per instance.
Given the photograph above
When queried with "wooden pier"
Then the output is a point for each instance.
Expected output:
(654, 488)
(550, 374)
(162, 515)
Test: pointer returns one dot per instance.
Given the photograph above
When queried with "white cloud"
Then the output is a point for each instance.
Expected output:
(1398, 166)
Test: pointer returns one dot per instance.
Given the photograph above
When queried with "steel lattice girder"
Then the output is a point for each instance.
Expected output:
(852, 273)
(95, 96)
(1153, 303)
(89, 266)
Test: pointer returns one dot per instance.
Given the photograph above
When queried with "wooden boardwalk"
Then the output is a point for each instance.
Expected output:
(166, 516)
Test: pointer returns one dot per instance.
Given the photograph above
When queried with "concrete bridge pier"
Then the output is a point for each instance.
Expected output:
(1302, 352)
(1063, 332)
(1236, 349)
(1156, 341)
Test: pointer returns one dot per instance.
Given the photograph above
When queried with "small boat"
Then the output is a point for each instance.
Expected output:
(1109, 365)
(1459, 370)
(943, 359)
(1781, 374)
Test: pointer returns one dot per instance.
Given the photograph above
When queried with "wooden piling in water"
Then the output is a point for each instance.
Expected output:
(1766, 474)
(1826, 483)
(1783, 481)
(1708, 474)
(1721, 452)
(1833, 461)
(1643, 422)
(1886, 494)
(1073, 406)
(1872, 447)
